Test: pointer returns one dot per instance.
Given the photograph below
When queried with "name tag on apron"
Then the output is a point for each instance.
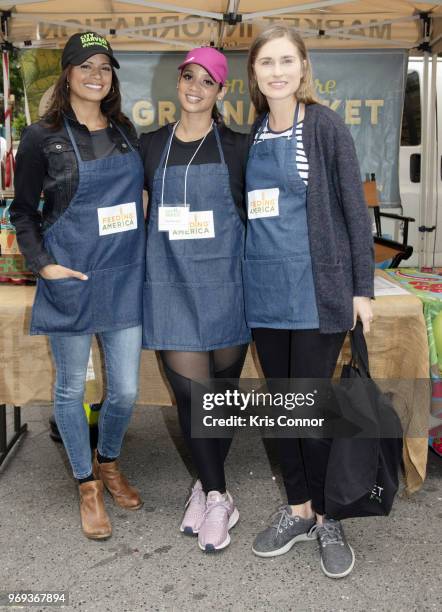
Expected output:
(200, 225)
(172, 217)
(116, 219)
(263, 203)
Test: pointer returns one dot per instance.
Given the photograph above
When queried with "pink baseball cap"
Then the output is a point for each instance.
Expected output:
(209, 58)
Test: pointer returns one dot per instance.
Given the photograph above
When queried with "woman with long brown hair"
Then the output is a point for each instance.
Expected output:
(87, 249)
(308, 267)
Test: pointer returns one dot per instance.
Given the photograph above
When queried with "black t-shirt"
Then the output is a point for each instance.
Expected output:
(235, 149)
(102, 144)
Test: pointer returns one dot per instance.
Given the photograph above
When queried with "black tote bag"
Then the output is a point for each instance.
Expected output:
(362, 476)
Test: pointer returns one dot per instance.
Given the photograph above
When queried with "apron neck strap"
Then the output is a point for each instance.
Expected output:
(168, 145)
(261, 126)
(72, 139)
(74, 144)
(265, 121)
(166, 152)
(125, 138)
(295, 120)
(218, 142)
(165, 158)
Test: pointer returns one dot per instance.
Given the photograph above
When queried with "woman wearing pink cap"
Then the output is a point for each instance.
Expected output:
(193, 295)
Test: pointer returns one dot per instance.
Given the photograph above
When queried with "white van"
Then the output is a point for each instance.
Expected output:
(409, 164)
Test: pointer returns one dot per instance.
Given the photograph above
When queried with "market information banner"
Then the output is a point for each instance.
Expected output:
(365, 87)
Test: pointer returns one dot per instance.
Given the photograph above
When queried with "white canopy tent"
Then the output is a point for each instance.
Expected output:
(231, 24)
(145, 24)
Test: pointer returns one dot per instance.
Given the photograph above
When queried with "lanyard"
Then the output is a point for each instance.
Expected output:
(187, 168)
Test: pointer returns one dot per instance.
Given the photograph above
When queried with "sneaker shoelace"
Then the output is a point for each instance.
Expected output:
(330, 533)
(282, 519)
(216, 510)
(195, 495)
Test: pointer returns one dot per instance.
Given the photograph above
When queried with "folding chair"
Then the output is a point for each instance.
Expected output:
(385, 248)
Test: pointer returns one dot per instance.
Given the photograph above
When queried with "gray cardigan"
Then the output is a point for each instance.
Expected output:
(339, 227)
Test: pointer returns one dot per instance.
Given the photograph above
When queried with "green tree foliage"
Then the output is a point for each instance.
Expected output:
(40, 69)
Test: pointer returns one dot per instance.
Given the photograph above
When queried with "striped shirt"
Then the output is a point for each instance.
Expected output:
(301, 160)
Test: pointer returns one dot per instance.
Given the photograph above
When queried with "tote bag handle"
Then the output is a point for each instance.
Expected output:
(359, 351)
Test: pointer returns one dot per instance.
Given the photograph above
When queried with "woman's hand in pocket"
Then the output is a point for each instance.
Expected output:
(55, 272)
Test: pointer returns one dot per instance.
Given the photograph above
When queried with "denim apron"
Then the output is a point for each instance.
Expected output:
(101, 234)
(193, 295)
(278, 279)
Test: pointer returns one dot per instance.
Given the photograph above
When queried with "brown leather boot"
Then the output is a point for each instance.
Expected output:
(124, 494)
(94, 519)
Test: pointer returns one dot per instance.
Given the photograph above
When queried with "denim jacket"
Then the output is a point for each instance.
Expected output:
(46, 162)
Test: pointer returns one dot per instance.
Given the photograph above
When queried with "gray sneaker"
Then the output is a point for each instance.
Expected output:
(285, 530)
(337, 556)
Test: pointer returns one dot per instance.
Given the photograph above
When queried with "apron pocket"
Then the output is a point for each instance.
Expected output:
(223, 314)
(117, 296)
(170, 316)
(278, 292)
(61, 305)
(193, 316)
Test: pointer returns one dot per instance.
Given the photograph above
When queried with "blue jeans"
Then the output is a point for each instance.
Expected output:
(122, 350)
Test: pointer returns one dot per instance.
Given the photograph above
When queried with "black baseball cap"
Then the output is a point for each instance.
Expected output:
(83, 45)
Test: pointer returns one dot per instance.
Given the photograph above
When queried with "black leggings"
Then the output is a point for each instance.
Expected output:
(306, 353)
(181, 368)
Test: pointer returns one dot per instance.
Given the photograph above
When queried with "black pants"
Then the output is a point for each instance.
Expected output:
(208, 455)
(300, 354)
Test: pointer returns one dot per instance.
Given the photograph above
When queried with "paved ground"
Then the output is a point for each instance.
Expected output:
(149, 565)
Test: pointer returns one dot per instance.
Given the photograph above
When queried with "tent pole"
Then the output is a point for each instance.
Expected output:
(344, 31)
(168, 24)
(424, 155)
(425, 187)
(27, 111)
(24, 2)
(367, 24)
(230, 17)
(105, 31)
(427, 210)
(9, 160)
(431, 162)
(293, 9)
(172, 8)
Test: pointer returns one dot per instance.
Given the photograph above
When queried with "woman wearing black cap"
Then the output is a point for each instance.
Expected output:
(87, 249)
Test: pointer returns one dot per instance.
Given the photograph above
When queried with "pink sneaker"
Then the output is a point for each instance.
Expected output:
(220, 516)
(195, 508)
